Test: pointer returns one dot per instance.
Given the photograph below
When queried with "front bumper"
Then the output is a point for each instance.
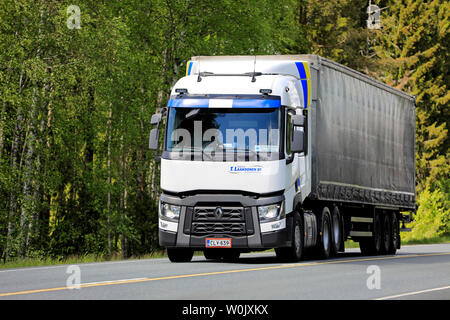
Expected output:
(245, 232)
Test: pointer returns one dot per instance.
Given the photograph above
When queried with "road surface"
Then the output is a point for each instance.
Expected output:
(416, 272)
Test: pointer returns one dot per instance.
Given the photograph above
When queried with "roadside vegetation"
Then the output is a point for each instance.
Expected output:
(77, 181)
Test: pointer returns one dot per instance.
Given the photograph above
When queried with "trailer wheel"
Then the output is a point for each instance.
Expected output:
(386, 235)
(180, 254)
(372, 245)
(395, 235)
(325, 238)
(336, 231)
(295, 251)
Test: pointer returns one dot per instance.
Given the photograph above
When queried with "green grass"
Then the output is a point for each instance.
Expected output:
(75, 259)
(434, 240)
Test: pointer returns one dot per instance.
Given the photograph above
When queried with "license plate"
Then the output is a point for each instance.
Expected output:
(218, 243)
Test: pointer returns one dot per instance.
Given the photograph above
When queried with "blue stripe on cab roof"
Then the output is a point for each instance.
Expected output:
(237, 103)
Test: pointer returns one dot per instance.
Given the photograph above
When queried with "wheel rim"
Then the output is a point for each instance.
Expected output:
(326, 236)
(297, 238)
(336, 229)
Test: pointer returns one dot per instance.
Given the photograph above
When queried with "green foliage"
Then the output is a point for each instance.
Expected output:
(414, 56)
(433, 215)
(76, 177)
(75, 104)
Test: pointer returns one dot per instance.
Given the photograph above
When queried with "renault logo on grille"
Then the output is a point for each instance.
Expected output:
(218, 212)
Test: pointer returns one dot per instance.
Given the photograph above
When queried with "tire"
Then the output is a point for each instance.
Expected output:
(325, 237)
(395, 234)
(336, 234)
(386, 235)
(294, 253)
(180, 254)
(372, 246)
(212, 254)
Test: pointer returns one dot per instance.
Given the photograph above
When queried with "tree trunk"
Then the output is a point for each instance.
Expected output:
(15, 146)
(124, 194)
(27, 205)
(2, 126)
(108, 204)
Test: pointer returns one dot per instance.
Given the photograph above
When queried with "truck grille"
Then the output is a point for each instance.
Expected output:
(224, 214)
(231, 220)
(230, 228)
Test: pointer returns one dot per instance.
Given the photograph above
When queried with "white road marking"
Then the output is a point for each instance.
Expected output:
(412, 293)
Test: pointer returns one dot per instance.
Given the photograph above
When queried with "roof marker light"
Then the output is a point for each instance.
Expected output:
(265, 91)
(181, 90)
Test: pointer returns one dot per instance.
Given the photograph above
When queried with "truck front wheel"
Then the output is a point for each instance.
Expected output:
(295, 251)
(180, 254)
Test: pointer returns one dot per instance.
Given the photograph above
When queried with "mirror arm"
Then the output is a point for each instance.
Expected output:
(157, 155)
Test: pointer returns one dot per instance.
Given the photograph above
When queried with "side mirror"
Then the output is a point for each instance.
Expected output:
(153, 140)
(299, 135)
(298, 140)
(156, 118)
(154, 134)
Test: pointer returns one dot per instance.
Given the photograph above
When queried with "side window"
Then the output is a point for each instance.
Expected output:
(289, 129)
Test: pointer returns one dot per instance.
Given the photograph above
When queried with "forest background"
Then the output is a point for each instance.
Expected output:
(78, 88)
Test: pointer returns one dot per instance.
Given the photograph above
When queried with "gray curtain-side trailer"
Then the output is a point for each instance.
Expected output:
(362, 136)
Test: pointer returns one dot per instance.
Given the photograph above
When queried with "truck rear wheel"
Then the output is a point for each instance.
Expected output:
(324, 244)
(336, 231)
(295, 251)
(180, 254)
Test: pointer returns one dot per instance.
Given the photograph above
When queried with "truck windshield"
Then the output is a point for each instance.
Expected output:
(245, 132)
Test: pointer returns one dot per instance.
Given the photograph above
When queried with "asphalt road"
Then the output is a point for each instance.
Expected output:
(416, 272)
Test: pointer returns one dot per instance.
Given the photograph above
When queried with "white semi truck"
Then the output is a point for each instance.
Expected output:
(296, 153)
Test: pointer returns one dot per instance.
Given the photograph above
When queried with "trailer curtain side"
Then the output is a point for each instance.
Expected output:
(363, 139)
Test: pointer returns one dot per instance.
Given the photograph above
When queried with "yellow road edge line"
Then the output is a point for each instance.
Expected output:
(115, 282)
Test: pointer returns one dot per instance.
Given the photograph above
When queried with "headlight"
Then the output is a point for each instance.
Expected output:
(169, 211)
(271, 212)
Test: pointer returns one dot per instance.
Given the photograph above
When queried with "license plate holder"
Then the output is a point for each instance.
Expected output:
(218, 242)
